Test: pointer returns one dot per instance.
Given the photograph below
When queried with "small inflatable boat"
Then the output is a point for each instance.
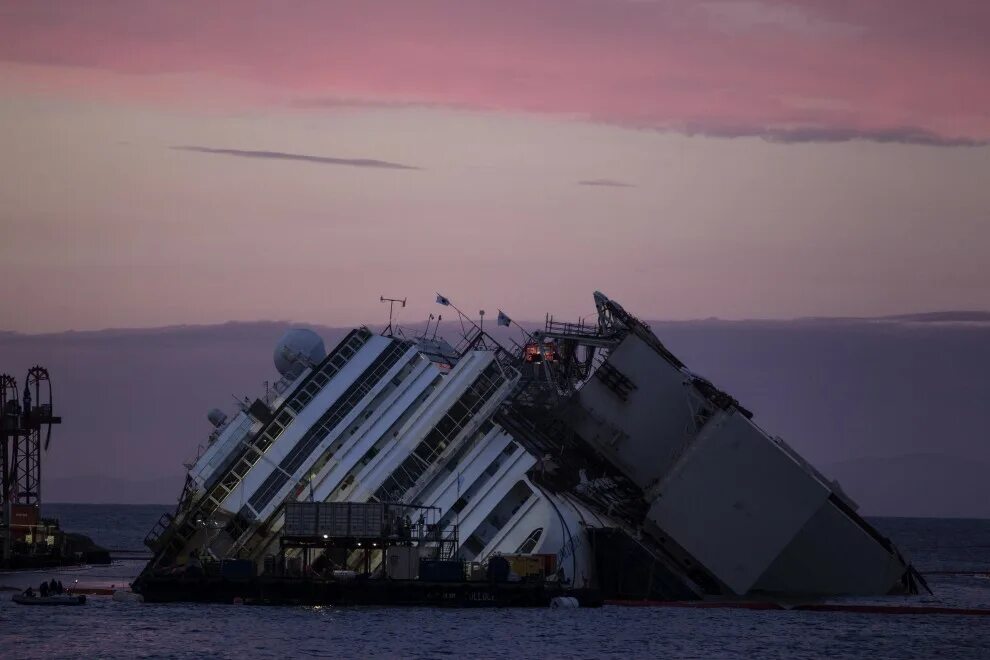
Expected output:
(56, 599)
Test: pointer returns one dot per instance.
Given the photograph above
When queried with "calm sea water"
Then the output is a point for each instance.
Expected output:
(108, 629)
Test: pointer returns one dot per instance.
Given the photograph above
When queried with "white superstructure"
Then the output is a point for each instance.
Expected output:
(378, 419)
(592, 445)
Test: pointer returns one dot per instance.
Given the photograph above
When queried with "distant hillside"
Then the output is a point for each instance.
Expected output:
(943, 317)
(108, 490)
(921, 484)
(135, 401)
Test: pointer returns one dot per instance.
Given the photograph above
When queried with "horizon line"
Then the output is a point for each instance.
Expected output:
(921, 316)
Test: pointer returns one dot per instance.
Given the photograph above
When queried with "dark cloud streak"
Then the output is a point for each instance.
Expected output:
(346, 103)
(830, 134)
(278, 155)
(606, 183)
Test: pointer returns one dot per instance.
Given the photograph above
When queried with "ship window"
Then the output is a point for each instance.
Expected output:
(437, 440)
(312, 388)
(445, 426)
(493, 468)
(459, 411)
(507, 507)
(284, 419)
(424, 448)
(470, 399)
(527, 546)
(274, 430)
(330, 419)
(321, 379)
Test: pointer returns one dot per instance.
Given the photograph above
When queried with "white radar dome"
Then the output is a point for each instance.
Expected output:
(295, 344)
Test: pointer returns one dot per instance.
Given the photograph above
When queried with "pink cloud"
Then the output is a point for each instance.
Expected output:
(890, 70)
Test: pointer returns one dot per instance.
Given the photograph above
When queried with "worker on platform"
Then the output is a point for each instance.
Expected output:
(43, 589)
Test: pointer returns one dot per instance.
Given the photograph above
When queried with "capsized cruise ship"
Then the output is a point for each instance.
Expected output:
(589, 443)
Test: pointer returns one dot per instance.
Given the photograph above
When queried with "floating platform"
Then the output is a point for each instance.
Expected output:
(306, 591)
(33, 562)
(855, 608)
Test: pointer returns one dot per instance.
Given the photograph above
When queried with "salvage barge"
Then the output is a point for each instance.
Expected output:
(585, 460)
(420, 566)
(305, 591)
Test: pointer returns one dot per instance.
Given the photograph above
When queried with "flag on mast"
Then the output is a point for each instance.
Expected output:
(503, 318)
(442, 301)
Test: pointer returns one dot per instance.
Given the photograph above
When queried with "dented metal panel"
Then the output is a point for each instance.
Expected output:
(735, 500)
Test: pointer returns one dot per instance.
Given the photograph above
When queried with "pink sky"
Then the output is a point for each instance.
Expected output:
(891, 69)
(820, 156)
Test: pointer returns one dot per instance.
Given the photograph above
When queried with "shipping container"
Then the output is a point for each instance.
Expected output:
(301, 518)
(549, 564)
(366, 519)
(326, 519)
(335, 519)
(402, 563)
(24, 515)
(526, 565)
